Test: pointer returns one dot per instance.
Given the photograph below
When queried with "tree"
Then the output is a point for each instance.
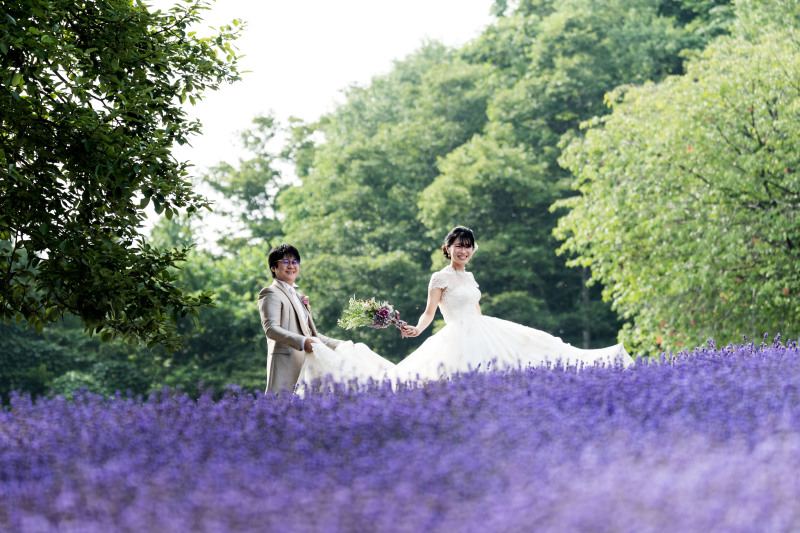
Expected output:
(252, 187)
(473, 137)
(63, 359)
(226, 343)
(91, 95)
(553, 64)
(708, 18)
(355, 216)
(688, 211)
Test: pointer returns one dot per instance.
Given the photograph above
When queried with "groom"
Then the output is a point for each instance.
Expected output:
(287, 321)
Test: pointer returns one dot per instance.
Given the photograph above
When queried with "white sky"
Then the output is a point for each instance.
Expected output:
(303, 53)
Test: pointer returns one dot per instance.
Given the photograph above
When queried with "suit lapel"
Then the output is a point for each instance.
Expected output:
(304, 327)
(309, 314)
(311, 324)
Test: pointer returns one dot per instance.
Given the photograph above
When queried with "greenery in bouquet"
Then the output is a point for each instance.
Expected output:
(369, 313)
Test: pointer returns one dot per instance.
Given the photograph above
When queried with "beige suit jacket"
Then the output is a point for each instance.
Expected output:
(282, 320)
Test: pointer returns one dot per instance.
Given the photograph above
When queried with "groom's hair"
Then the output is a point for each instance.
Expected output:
(278, 253)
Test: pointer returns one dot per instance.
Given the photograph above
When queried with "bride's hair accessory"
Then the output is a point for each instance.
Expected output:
(372, 314)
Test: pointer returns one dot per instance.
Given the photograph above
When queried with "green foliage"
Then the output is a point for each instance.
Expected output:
(354, 219)
(252, 187)
(26, 361)
(358, 313)
(225, 343)
(525, 8)
(503, 193)
(576, 55)
(755, 18)
(363, 313)
(708, 18)
(471, 136)
(554, 63)
(63, 359)
(91, 95)
(689, 198)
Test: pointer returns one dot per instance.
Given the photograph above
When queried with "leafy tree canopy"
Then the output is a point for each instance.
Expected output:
(91, 96)
(553, 62)
(690, 198)
(354, 218)
(472, 137)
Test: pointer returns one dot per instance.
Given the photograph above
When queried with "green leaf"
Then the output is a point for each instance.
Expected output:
(98, 164)
(694, 240)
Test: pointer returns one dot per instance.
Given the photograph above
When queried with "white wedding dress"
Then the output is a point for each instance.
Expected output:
(469, 341)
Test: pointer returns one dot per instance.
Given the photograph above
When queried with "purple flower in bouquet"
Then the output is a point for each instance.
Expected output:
(382, 318)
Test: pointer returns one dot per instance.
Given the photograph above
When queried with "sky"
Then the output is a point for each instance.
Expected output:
(303, 54)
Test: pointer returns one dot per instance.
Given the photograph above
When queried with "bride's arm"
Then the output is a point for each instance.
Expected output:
(434, 297)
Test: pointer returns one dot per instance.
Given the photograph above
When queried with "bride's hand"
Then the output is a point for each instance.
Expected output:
(410, 330)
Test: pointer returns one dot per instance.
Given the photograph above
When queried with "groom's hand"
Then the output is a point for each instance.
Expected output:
(307, 344)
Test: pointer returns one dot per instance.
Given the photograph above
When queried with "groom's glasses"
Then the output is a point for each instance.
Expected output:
(287, 262)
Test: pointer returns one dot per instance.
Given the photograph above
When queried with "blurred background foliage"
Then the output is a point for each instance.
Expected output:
(492, 136)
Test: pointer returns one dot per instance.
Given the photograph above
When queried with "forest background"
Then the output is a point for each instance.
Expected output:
(629, 168)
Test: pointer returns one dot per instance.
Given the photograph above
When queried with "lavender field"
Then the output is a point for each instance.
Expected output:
(705, 441)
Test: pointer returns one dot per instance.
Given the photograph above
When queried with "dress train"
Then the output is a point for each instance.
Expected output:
(469, 341)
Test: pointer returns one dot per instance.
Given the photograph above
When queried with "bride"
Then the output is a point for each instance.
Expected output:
(468, 341)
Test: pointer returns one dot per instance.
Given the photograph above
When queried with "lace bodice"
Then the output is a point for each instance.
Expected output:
(460, 295)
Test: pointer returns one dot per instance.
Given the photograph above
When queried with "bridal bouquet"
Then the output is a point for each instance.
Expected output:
(372, 314)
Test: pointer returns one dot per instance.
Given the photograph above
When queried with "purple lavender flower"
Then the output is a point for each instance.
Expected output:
(707, 440)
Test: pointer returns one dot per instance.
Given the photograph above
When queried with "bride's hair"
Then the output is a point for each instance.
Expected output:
(459, 233)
